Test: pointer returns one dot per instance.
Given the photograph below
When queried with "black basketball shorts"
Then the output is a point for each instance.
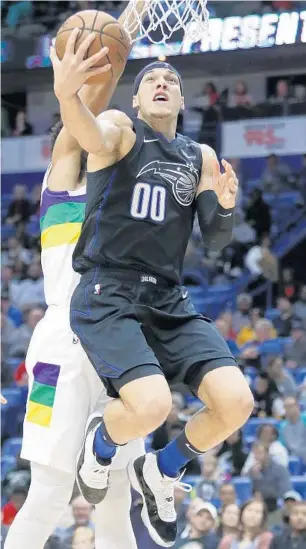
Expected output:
(132, 324)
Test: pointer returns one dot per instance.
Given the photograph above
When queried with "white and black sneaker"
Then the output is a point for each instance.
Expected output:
(157, 492)
(92, 475)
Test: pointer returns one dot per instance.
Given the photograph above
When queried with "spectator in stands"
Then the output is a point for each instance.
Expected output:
(16, 252)
(293, 429)
(252, 534)
(261, 330)
(211, 478)
(7, 275)
(283, 380)
(11, 508)
(211, 94)
(258, 214)
(288, 286)
(227, 494)
(283, 323)
(264, 392)
(21, 337)
(267, 435)
(19, 209)
(240, 96)
(269, 478)
(13, 314)
(290, 498)
(232, 455)
(277, 175)
(22, 126)
(224, 331)
(247, 332)
(29, 291)
(295, 536)
(17, 12)
(82, 517)
(56, 118)
(3, 534)
(200, 530)
(18, 478)
(261, 261)
(282, 91)
(179, 499)
(243, 233)
(299, 307)
(83, 538)
(229, 521)
(21, 377)
(242, 238)
(295, 352)
(241, 316)
(7, 331)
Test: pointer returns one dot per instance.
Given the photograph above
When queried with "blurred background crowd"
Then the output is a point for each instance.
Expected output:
(248, 493)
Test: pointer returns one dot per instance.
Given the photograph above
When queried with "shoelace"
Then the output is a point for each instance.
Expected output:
(166, 506)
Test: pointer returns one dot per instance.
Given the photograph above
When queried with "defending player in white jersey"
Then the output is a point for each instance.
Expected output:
(63, 387)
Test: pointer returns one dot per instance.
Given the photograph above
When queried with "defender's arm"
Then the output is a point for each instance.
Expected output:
(96, 98)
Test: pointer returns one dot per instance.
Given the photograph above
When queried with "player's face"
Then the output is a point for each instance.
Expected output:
(159, 95)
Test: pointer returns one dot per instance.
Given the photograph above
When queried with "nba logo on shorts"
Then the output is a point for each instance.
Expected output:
(97, 289)
(75, 339)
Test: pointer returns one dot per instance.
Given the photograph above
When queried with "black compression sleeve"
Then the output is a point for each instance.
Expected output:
(216, 223)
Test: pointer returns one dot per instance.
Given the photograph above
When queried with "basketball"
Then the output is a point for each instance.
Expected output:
(109, 33)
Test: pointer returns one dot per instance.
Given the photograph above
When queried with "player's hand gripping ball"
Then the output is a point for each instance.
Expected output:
(107, 33)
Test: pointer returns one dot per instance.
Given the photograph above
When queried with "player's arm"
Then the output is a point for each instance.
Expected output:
(96, 98)
(99, 136)
(216, 197)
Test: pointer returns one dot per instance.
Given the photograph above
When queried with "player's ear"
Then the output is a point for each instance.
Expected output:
(182, 103)
(135, 102)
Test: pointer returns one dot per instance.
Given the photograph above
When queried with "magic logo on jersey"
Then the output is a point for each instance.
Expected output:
(183, 178)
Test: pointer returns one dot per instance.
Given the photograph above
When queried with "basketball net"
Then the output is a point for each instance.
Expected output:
(158, 20)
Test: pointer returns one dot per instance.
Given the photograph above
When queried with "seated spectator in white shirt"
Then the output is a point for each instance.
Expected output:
(268, 436)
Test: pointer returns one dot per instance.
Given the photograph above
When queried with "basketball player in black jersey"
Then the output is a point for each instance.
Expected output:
(145, 183)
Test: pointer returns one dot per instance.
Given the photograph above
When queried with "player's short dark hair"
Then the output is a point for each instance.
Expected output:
(54, 133)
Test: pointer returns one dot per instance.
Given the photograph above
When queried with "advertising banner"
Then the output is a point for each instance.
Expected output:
(263, 136)
(257, 31)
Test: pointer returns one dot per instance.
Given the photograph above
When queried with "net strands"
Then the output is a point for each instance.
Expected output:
(168, 17)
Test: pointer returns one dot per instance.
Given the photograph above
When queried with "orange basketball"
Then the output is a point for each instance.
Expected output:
(108, 33)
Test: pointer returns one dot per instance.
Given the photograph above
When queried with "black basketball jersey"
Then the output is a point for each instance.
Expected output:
(140, 211)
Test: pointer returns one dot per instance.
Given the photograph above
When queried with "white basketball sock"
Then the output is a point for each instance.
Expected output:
(47, 501)
(112, 517)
